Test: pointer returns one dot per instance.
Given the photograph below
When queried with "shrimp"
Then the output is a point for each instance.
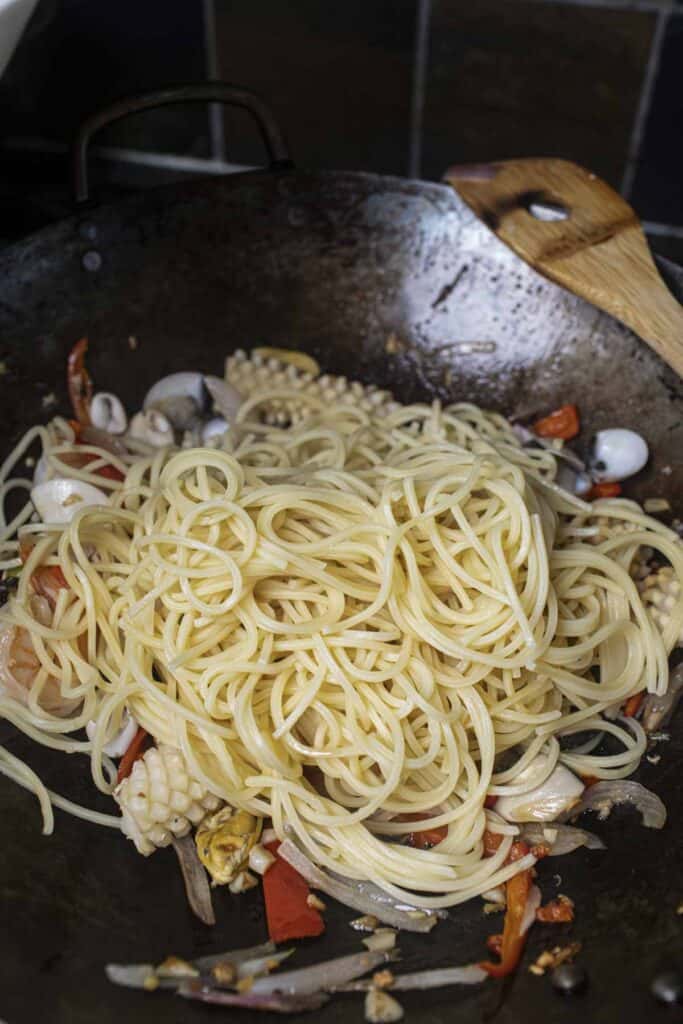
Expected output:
(19, 666)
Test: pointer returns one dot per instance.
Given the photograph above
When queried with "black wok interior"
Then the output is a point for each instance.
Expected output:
(335, 264)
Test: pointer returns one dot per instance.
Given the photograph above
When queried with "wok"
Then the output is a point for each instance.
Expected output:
(334, 264)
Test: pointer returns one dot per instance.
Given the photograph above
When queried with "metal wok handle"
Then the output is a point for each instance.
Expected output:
(205, 92)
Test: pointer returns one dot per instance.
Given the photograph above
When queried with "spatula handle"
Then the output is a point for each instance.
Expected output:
(575, 229)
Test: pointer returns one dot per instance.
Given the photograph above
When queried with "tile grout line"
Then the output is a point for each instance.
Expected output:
(420, 56)
(216, 122)
(644, 102)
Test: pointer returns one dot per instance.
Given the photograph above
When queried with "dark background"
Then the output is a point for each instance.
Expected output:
(404, 87)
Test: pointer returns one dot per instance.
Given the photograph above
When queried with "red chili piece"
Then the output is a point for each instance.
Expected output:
(79, 382)
(135, 751)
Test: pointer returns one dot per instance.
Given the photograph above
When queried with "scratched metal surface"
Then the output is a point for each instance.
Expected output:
(336, 265)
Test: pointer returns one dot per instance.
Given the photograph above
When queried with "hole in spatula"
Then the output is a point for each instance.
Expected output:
(547, 211)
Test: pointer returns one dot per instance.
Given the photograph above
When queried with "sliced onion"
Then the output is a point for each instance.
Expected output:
(531, 438)
(359, 896)
(276, 1002)
(195, 878)
(602, 797)
(256, 967)
(566, 839)
(131, 975)
(470, 974)
(558, 793)
(118, 744)
(659, 710)
(319, 977)
(381, 940)
(235, 956)
(249, 963)
(533, 902)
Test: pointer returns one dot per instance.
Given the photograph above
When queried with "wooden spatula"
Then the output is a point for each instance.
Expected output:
(573, 228)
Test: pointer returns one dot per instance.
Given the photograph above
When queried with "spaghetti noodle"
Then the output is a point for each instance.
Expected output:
(343, 622)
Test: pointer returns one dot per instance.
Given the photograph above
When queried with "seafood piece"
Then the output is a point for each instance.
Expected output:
(224, 842)
(252, 374)
(153, 427)
(107, 413)
(159, 800)
(20, 665)
(181, 397)
(617, 454)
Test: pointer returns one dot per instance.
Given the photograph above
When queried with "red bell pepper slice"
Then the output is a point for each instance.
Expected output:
(286, 895)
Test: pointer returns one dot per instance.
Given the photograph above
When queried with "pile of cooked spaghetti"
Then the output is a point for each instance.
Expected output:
(355, 619)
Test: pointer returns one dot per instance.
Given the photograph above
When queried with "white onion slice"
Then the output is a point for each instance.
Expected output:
(130, 975)
(603, 796)
(319, 977)
(566, 838)
(195, 878)
(58, 500)
(658, 709)
(249, 962)
(257, 966)
(118, 745)
(558, 793)
(276, 1002)
(469, 974)
(410, 920)
(533, 902)
(234, 956)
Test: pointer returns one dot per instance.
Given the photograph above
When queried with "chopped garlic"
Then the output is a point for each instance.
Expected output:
(224, 973)
(381, 1008)
(260, 859)
(314, 902)
(366, 923)
(242, 882)
(175, 967)
(654, 505)
(381, 941)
